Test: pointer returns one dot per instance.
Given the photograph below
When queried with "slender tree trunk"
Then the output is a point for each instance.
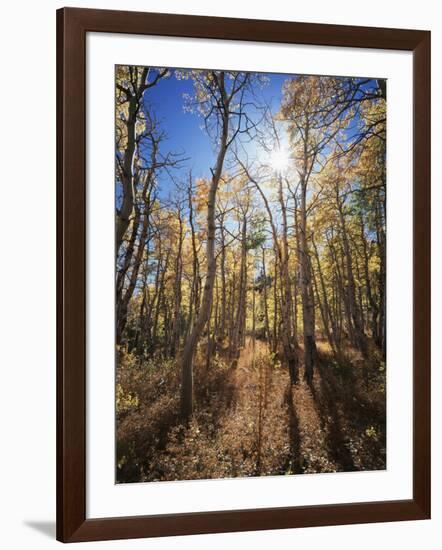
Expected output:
(369, 294)
(266, 306)
(223, 282)
(212, 329)
(340, 295)
(122, 276)
(204, 312)
(194, 294)
(325, 309)
(289, 342)
(310, 351)
(381, 242)
(238, 332)
(139, 333)
(275, 306)
(127, 175)
(177, 290)
(160, 300)
(124, 302)
(356, 316)
(231, 309)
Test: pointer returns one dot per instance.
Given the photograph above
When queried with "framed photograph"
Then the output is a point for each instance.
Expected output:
(243, 274)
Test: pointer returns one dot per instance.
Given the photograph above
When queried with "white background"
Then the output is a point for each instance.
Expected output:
(104, 498)
(27, 401)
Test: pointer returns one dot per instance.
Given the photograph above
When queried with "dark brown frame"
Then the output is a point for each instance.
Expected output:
(72, 26)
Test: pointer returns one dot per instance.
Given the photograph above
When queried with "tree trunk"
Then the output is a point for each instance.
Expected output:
(324, 306)
(194, 294)
(204, 312)
(381, 241)
(288, 341)
(355, 313)
(122, 307)
(160, 300)
(238, 333)
(177, 290)
(265, 298)
(127, 175)
(222, 334)
(310, 351)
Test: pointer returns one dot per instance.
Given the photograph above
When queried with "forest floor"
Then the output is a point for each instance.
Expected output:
(249, 420)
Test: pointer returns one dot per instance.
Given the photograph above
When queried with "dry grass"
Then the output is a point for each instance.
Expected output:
(249, 421)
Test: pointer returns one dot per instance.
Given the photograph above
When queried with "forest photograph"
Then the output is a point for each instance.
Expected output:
(250, 274)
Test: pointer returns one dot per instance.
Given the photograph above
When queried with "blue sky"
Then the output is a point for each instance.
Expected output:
(184, 132)
(183, 129)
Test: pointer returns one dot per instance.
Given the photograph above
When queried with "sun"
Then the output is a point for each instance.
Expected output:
(279, 160)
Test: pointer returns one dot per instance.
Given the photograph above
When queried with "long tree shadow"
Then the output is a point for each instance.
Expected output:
(327, 398)
(351, 402)
(214, 391)
(294, 463)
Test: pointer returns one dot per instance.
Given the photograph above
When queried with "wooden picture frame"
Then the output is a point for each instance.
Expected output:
(72, 26)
